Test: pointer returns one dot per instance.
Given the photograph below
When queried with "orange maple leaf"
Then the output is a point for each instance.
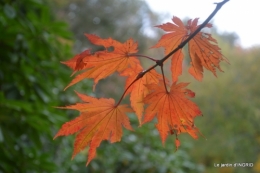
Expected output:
(138, 90)
(99, 120)
(104, 63)
(203, 49)
(174, 111)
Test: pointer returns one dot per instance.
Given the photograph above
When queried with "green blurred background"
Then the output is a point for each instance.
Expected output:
(35, 35)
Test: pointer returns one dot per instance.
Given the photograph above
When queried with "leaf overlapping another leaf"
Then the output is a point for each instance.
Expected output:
(99, 120)
(138, 90)
(77, 63)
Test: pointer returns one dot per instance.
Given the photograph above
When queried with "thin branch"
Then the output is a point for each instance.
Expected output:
(180, 46)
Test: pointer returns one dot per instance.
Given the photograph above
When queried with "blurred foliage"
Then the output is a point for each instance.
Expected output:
(119, 19)
(32, 44)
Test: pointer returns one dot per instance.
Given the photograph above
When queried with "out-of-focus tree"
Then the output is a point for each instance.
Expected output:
(120, 19)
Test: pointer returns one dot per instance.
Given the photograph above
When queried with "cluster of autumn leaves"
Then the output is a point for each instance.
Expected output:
(102, 119)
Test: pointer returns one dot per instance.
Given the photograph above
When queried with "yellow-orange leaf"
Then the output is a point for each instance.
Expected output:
(174, 111)
(104, 63)
(99, 120)
(138, 90)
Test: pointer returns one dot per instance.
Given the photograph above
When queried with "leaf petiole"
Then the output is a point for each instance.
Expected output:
(164, 79)
(144, 56)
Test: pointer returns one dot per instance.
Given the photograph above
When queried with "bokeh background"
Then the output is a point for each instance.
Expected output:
(35, 35)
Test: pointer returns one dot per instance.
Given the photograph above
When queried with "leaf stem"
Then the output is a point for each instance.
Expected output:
(144, 56)
(164, 79)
